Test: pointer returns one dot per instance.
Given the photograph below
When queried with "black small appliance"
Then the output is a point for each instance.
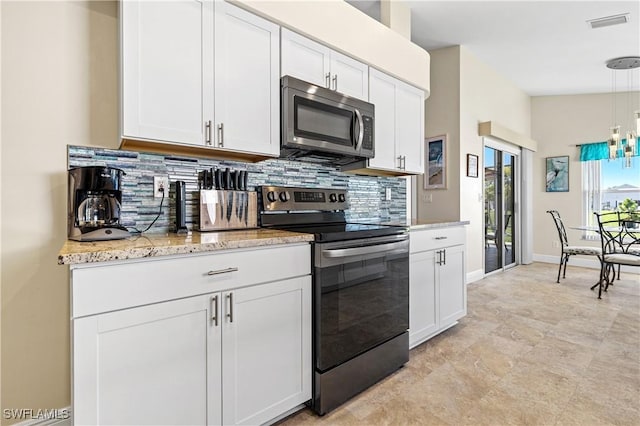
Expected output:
(94, 204)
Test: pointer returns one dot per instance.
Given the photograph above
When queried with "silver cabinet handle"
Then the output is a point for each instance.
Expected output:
(440, 238)
(361, 129)
(230, 313)
(444, 254)
(335, 82)
(399, 161)
(222, 271)
(221, 134)
(439, 262)
(207, 131)
(214, 308)
(404, 162)
(327, 77)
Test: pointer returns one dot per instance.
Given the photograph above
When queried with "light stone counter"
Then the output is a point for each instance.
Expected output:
(140, 246)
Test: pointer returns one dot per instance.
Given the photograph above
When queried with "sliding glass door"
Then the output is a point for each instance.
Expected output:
(500, 214)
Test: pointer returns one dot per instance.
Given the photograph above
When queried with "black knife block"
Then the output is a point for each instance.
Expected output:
(181, 209)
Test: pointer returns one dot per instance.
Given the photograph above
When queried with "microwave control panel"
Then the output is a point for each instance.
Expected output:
(367, 134)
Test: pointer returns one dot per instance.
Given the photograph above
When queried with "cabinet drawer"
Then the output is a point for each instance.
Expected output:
(103, 288)
(429, 239)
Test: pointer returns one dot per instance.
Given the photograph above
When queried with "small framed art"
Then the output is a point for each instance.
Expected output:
(557, 176)
(472, 165)
(435, 162)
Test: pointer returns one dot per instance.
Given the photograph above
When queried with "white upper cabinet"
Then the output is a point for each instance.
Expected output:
(247, 82)
(383, 96)
(399, 124)
(305, 59)
(313, 62)
(200, 73)
(167, 56)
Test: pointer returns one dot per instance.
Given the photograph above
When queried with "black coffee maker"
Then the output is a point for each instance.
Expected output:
(95, 198)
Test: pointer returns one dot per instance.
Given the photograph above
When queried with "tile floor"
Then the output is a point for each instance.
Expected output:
(529, 352)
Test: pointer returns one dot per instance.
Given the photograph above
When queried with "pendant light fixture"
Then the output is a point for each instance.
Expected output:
(615, 141)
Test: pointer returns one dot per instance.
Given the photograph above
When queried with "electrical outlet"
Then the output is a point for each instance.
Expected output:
(158, 183)
(427, 197)
(387, 194)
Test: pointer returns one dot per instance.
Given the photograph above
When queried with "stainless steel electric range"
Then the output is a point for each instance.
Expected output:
(360, 290)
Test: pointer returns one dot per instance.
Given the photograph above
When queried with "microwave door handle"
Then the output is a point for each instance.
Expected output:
(360, 129)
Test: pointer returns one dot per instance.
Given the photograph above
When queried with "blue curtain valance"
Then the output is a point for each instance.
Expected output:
(600, 150)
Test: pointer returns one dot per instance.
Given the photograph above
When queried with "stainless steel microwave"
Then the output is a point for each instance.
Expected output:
(322, 125)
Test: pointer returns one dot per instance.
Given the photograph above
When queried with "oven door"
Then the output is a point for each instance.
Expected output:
(361, 290)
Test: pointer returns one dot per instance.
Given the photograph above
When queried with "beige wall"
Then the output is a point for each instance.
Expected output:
(466, 92)
(558, 124)
(59, 80)
(0, 206)
(442, 117)
(486, 95)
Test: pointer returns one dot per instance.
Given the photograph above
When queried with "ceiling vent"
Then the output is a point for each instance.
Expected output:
(607, 21)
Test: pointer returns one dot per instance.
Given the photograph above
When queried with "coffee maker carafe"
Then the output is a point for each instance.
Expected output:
(95, 198)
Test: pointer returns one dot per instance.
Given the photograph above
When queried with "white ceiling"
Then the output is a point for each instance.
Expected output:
(543, 47)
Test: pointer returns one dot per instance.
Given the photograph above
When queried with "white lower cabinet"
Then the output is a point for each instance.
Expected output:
(241, 355)
(147, 365)
(437, 290)
(266, 351)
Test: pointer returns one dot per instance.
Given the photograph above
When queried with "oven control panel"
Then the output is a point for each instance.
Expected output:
(284, 198)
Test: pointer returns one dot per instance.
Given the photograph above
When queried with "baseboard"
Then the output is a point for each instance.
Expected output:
(40, 417)
(474, 276)
(592, 263)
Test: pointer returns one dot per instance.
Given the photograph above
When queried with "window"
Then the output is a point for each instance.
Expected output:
(605, 186)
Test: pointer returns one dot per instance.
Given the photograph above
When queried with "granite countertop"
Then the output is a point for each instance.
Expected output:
(141, 246)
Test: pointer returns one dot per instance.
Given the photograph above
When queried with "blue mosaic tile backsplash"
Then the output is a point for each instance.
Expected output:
(139, 207)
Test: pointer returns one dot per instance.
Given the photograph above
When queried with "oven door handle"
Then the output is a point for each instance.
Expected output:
(357, 251)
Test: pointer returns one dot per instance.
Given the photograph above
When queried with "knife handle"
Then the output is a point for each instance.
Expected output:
(237, 181)
(227, 178)
(218, 177)
(245, 178)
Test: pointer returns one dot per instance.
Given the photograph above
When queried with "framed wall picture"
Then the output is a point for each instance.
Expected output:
(472, 165)
(435, 162)
(557, 174)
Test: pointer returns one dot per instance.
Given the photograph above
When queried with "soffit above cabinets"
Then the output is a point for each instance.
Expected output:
(351, 32)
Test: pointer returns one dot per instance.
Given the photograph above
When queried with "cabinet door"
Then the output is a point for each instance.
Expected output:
(247, 82)
(167, 57)
(422, 297)
(266, 350)
(156, 364)
(382, 93)
(305, 59)
(410, 126)
(349, 76)
(452, 288)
